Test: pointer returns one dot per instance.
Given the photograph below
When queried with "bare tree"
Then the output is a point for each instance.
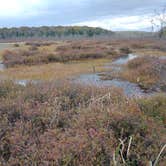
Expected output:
(159, 22)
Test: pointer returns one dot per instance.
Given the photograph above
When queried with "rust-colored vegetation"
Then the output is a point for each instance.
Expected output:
(148, 72)
(63, 124)
(43, 53)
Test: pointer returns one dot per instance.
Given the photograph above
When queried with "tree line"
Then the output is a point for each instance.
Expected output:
(51, 32)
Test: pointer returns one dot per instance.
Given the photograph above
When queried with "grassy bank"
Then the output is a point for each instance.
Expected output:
(48, 124)
(55, 71)
(148, 72)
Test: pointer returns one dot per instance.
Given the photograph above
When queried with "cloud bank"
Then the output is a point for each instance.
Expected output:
(109, 14)
(121, 23)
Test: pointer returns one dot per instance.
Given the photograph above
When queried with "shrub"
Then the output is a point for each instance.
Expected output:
(64, 124)
(33, 48)
(148, 72)
(125, 50)
(16, 45)
(68, 51)
(6, 87)
(154, 107)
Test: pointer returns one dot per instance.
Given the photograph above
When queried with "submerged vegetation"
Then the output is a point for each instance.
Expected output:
(64, 124)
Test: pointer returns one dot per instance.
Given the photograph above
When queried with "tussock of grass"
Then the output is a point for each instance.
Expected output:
(154, 107)
(148, 72)
(63, 124)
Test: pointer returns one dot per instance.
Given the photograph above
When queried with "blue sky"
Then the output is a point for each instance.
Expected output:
(108, 14)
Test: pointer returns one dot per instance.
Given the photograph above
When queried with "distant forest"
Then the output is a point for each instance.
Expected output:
(51, 32)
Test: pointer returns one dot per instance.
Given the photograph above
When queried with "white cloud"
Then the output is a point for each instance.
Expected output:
(12, 8)
(102, 13)
(121, 22)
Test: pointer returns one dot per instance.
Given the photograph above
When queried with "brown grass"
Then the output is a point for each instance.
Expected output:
(54, 70)
(146, 71)
(43, 53)
(91, 49)
(48, 124)
(66, 124)
(8, 46)
(33, 53)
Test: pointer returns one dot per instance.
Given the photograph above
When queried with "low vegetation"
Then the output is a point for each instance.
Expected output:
(64, 124)
(42, 53)
(154, 107)
(54, 71)
(33, 53)
(53, 122)
(148, 72)
(142, 46)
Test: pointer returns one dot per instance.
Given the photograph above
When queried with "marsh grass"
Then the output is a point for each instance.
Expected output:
(154, 107)
(45, 52)
(67, 124)
(55, 70)
(8, 46)
(148, 72)
(64, 124)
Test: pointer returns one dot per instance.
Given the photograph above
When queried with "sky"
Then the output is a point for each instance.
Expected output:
(108, 14)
